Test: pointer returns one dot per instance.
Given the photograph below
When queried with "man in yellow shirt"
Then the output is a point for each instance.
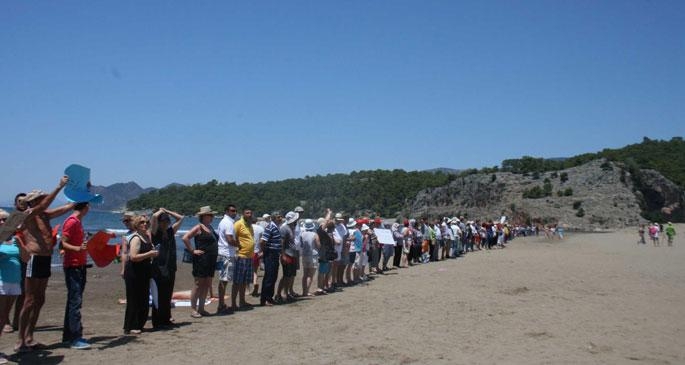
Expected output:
(242, 270)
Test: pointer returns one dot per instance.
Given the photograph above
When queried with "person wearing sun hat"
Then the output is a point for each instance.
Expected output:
(340, 238)
(205, 254)
(309, 247)
(352, 251)
(287, 258)
(38, 242)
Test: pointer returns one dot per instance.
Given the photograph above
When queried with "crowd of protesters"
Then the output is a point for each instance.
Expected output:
(331, 252)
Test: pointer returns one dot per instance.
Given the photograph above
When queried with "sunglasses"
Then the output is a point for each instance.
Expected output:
(144, 222)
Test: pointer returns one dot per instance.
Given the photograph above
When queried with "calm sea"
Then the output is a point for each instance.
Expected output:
(108, 221)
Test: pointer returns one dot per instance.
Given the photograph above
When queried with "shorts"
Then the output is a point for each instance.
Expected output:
(289, 270)
(10, 289)
(361, 260)
(242, 270)
(225, 265)
(38, 267)
(255, 261)
(352, 256)
(324, 267)
(344, 258)
(310, 262)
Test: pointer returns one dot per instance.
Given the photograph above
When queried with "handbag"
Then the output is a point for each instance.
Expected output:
(187, 256)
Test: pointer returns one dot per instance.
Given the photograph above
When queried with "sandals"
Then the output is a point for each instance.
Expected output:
(196, 315)
(21, 349)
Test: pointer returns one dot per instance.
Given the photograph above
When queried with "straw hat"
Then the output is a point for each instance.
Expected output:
(338, 216)
(206, 210)
(34, 194)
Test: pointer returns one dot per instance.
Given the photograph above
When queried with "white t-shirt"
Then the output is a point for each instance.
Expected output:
(340, 235)
(257, 230)
(226, 228)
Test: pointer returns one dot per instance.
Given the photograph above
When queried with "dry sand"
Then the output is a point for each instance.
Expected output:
(592, 298)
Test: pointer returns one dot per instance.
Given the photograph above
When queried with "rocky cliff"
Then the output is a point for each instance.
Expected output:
(594, 196)
(116, 195)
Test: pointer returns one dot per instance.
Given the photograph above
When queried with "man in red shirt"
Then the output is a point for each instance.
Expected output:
(75, 256)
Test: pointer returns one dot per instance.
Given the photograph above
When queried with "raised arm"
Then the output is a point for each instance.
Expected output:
(45, 203)
(178, 217)
(154, 220)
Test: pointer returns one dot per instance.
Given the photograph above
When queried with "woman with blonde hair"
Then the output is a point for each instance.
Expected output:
(205, 254)
(137, 275)
(10, 277)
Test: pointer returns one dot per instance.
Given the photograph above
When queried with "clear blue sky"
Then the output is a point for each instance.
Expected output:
(188, 91)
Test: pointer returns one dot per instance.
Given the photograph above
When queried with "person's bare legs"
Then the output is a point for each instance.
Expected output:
(34, 299)
(203, 289)
(281, 286)
(348, 272)
(194, 294)
(241, 293)
(222, 293)
(6, 302)
(307, 276)
(235, 288)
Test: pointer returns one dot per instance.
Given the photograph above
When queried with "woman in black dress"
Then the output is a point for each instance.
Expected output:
(164, 265)
(137, 275)
(204, 259)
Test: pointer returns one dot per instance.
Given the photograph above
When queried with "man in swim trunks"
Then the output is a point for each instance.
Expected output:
(38, 242)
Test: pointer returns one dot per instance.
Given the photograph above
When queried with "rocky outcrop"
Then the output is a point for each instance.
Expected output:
(661, 199)
(116, 195)
(596, 196)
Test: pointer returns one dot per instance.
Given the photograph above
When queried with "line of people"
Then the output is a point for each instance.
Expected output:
(340, 250)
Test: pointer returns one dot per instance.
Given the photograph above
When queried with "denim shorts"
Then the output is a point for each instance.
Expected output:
(324, 267)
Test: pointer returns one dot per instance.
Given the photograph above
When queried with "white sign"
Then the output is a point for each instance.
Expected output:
(384, 236)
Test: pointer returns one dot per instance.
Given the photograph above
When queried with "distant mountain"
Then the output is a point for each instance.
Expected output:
(116, 195)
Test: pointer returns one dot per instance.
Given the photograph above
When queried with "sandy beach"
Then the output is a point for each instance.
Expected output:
(591, 299)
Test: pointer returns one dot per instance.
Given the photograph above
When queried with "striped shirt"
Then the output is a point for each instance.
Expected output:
(272, 237)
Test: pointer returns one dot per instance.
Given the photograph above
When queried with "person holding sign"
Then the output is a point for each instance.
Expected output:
(74, 261)
(38, 243)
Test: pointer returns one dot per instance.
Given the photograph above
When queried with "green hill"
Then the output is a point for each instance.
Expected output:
(387, 192)
(380, 191)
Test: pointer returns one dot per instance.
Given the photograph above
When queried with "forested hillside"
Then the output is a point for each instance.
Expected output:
(667, 157)
(388, 193)
(381, 191)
